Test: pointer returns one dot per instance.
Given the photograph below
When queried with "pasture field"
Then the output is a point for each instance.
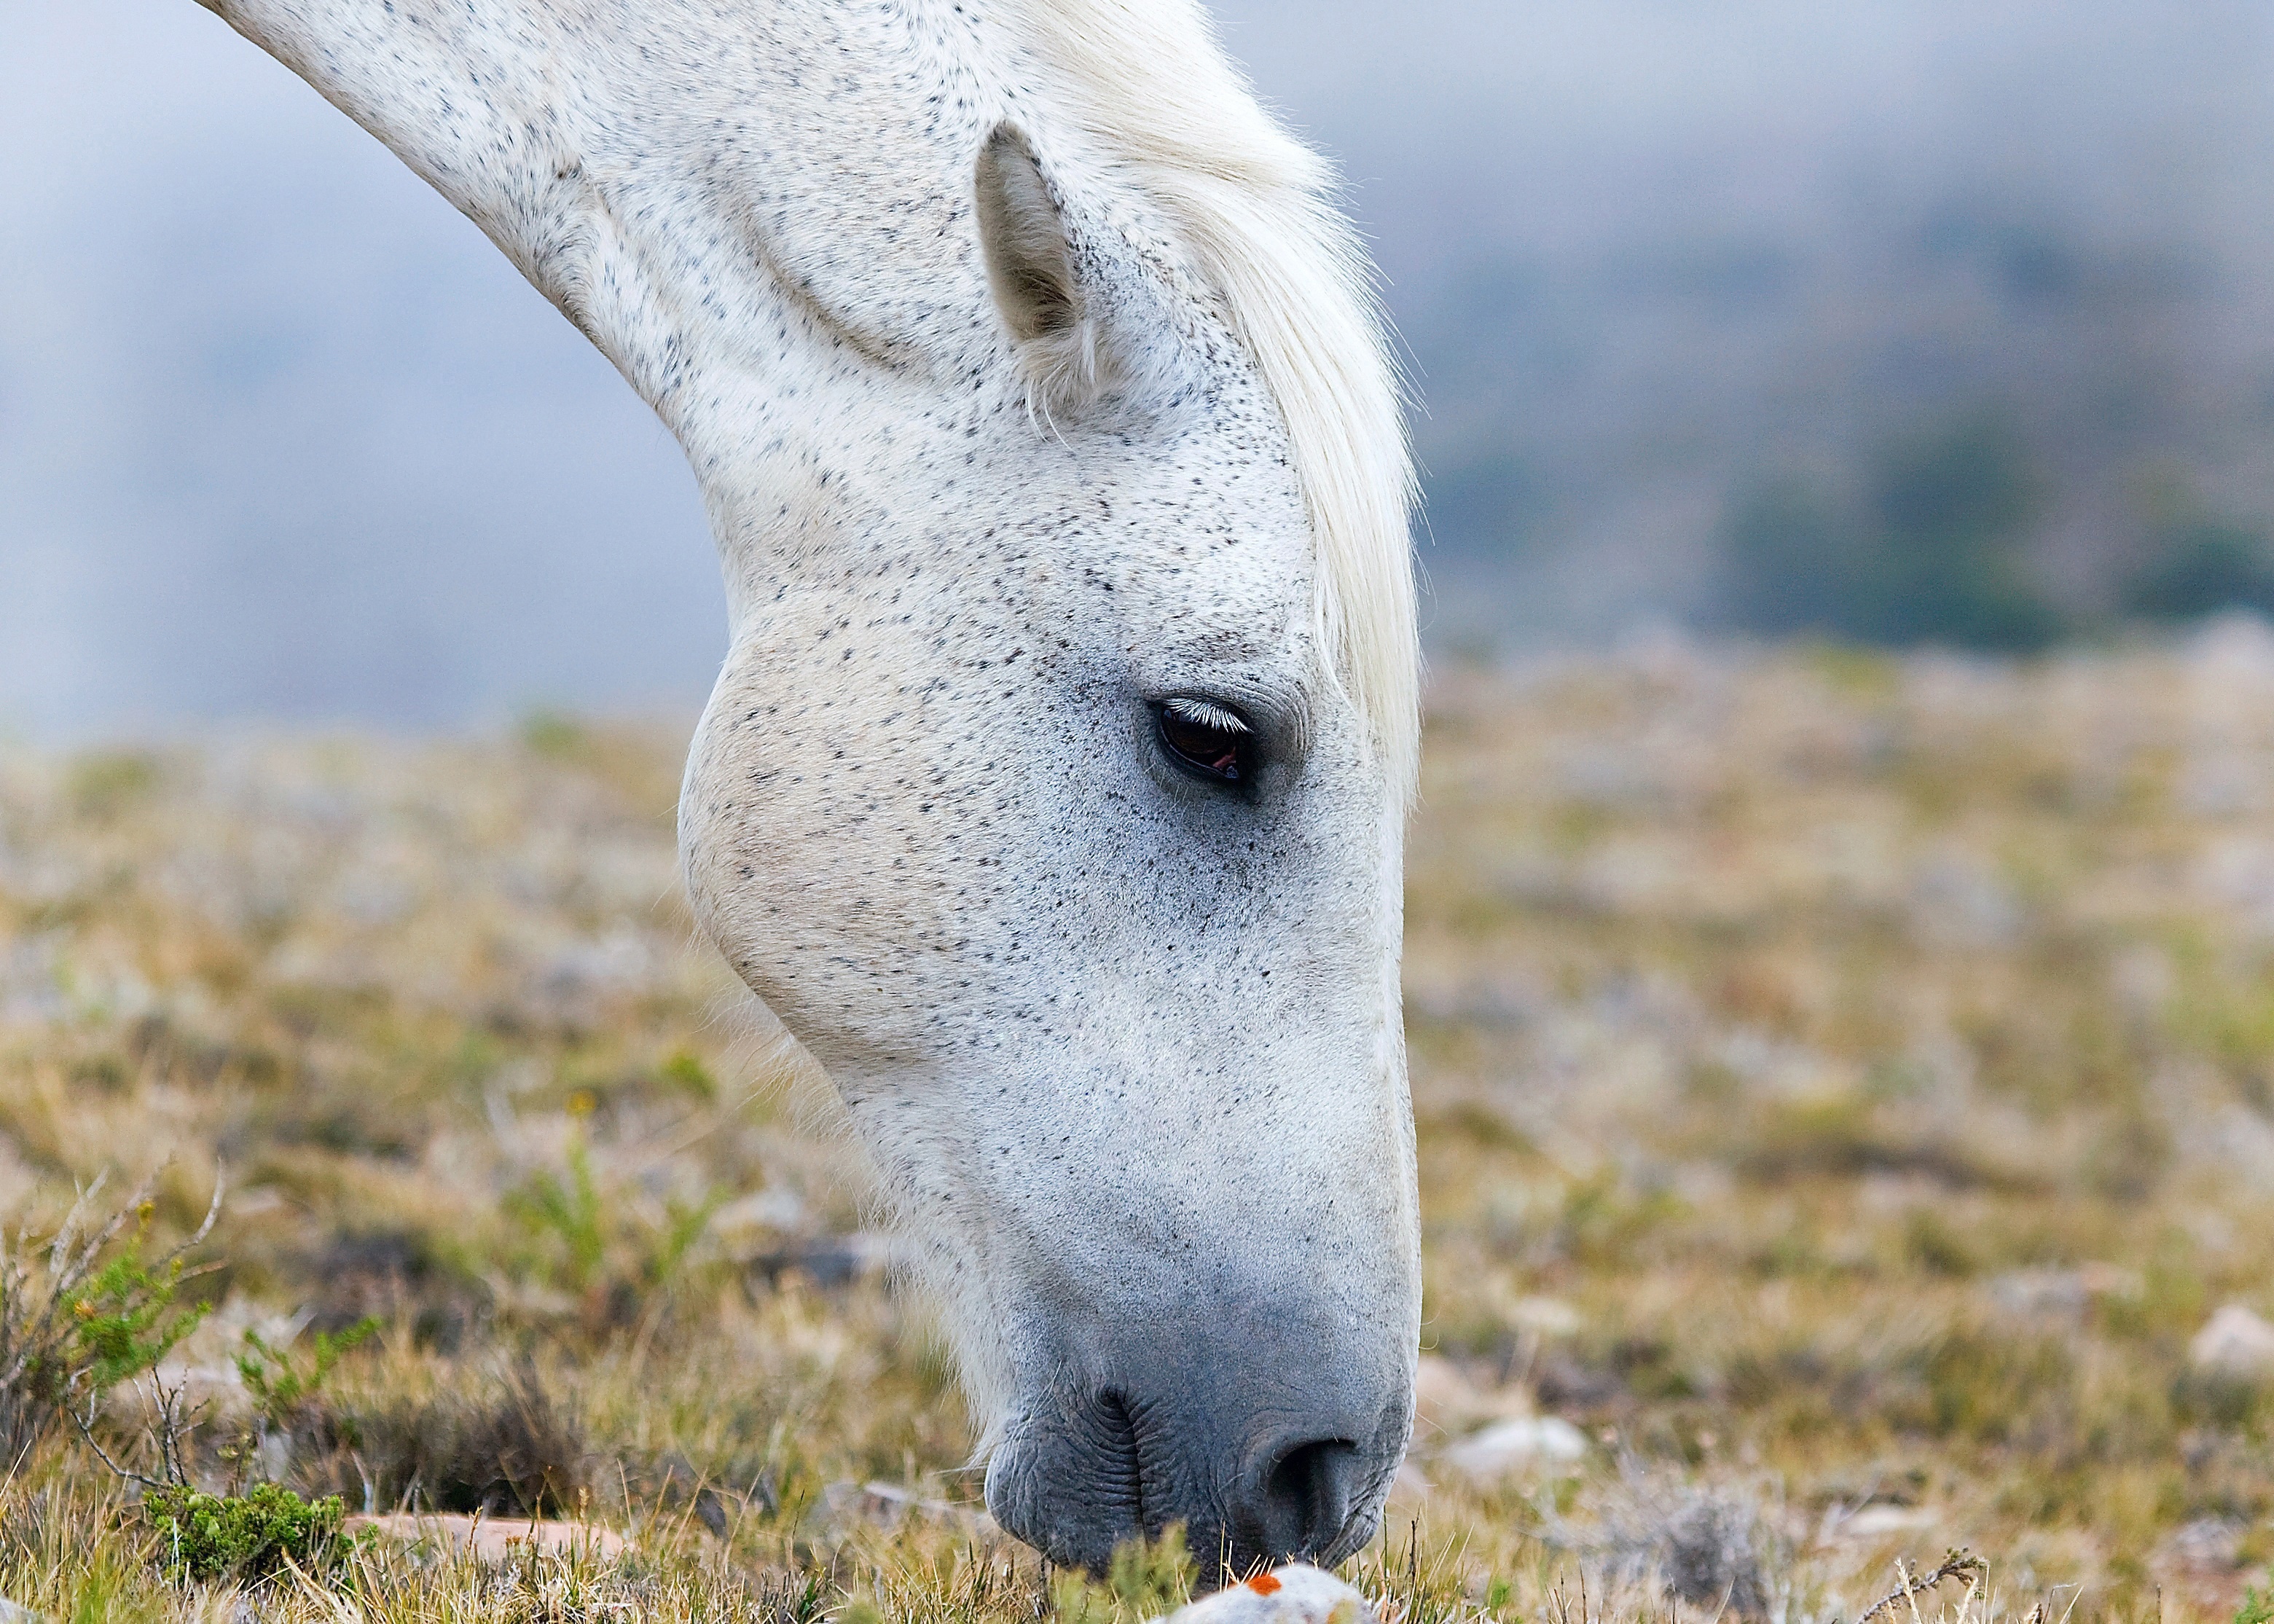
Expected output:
(1845, 1090)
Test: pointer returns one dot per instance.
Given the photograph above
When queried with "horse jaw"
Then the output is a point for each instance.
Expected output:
(1125, 1050)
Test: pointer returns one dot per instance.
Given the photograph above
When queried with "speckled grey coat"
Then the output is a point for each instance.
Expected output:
(1007, 442)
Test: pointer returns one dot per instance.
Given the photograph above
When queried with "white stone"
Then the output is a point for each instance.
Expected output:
(1295, 1594)
(2061, 1293)
(758, 1221)
(889, 1505)
(1443, 1396)
(1521, 1440)
(1447, 1403)
(1544, 1316)
(2236, 1342)
(1880, 1521)
(11, 1613)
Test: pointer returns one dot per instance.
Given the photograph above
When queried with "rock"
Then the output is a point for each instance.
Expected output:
(1879, 1522)
(1446, 1400)
(1958, 900)
(746, 1227)
(493, 1538)
(2061, 1293)
(1519, 1441)
(1442, 1395)
(2212, 1545)
(11, 1613)
(1295, 1594)
(1544, 1316)
(831, 1261)
(888, 1505)
(2236, 1344)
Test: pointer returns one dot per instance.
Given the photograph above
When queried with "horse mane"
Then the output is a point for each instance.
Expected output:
(1147, 83)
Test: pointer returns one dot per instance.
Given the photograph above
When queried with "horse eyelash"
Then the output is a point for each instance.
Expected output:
(1206, 713)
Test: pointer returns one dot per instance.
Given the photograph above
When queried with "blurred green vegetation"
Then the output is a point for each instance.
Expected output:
(1935, 540)
(1956, 416)
(1932, 549)
(2198, 566)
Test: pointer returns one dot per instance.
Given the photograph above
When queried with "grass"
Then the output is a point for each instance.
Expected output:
(1843, 1086)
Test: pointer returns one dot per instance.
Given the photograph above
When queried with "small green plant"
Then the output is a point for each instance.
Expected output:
(683, 1227)
(690, 1074)
(1932, 546)
(280, 1386)
(570, 1212)
(238, 1536)
(2198, 565)
(284, 1389)
(128, 1316)
(2257, 1606)
(554, 736)
(1420, 1583)
(597, 1248)
(107, 782)
(1146, 1579)
(787, 1598)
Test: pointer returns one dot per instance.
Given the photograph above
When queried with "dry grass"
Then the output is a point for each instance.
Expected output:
(1844, 1086)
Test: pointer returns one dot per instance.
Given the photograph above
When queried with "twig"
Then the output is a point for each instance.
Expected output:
(125, 1474)
(173, 1426)
(1953, 1563)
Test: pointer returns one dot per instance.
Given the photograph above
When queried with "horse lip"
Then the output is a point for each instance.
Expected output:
(1073, 1485)
(1081, 1473)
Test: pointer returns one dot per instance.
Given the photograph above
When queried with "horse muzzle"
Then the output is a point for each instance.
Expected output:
(1263, 1447)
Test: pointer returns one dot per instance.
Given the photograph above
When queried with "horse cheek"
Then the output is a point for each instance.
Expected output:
(807, 866)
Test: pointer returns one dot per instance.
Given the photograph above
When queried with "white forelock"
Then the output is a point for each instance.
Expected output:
(1149, 88)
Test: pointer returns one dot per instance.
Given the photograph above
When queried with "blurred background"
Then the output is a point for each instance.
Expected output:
(1898, 320)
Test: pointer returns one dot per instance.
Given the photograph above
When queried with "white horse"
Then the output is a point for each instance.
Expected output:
(1053, 793)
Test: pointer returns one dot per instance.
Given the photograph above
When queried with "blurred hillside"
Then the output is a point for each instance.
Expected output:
(1896, 320)
(1899, 322)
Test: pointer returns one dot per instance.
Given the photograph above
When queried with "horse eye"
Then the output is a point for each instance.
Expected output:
(1207, 738)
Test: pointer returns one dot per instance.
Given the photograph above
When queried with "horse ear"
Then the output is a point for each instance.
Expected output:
(1030, 265)
(1033, 274)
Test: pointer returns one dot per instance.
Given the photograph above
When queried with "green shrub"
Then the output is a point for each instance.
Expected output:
(1793, 561)
(238, 1536)
(83, 1314)
(1932, 549)
(2200, 566)
(576, 1237)
(280, 1386)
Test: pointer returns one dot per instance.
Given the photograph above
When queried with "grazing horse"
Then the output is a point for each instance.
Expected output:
(1053, 790)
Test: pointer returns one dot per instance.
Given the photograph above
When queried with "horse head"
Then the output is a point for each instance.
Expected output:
(1053, 792)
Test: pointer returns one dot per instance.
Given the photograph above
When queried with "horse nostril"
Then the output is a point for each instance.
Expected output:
(1307, 1499)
